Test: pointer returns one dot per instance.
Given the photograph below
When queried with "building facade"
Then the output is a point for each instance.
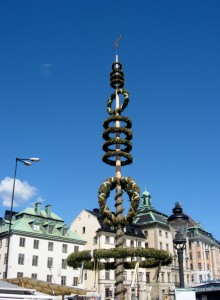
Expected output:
(201, 261)
(204, 251)
(40, 242)
(98, 235)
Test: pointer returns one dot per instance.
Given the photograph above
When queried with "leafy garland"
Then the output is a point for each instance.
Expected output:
(124, 104)
(153, 258)
(129, 186)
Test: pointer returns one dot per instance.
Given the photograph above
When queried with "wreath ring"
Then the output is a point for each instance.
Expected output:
(124, 104)
(130, 187)
(152, 258)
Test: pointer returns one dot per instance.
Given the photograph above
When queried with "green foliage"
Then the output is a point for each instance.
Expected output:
(153, 258)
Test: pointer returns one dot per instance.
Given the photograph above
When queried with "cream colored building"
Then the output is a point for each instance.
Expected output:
(201, 257)
(89, 225)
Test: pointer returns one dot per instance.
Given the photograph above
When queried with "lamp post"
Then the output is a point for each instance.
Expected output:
(26, 162)
(178, 224)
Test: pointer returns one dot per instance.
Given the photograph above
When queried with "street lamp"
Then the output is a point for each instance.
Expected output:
(178, 224)
(26, 162)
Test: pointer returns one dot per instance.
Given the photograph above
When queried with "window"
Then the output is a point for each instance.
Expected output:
(22, 242)
(175, 276)
(146, 245)
(139, 244)
(107, 292)
(148, 277)
(50, 229)
(199, 254)
(5, 258)
(63, 280)
(132, 243)
(34, 275)
(49, 278)
(192, 278)
(146, 233)
(167, 247)
(95, 239)
(160, 233)
(125, 275)
(199, 266)
(107, 239)
(187, 278)
(107, 275)
(36, 244)
(161, 246)
(64, 263)
(19, 274)
(20, 259)
(64, 231)
(35, 260)
(140, 276)
(50, 262)
(166, 234)
(75, 281)
(200, 278)
(168, 277)
(36, 227)
(64, 248)
(76, 248)
(83, 230)
(50, 246)
(162, 277)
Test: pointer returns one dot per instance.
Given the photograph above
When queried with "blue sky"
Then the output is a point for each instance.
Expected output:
(55, 60)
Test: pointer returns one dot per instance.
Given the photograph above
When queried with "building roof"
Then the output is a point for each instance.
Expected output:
(147, 214)
(131, 230)
(36, 222)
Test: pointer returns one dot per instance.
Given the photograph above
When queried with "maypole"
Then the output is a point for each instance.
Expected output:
(117, 147)
(118, 157)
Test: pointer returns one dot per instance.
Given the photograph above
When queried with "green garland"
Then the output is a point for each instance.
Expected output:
(129, 186)
(153, 258)
(124, 104)
(118, 118)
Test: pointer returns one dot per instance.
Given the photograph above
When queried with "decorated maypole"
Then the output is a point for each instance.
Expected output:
(118, 154)
(117, 146)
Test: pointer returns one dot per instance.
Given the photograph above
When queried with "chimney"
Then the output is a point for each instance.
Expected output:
(48, 210)
(37, 208)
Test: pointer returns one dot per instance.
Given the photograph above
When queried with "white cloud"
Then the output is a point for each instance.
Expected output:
(24, 192)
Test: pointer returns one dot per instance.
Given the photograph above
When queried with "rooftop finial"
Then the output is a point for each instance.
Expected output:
(116, 44)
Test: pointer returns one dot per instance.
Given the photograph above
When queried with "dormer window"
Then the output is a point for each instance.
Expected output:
(135, 231)
(50, 229)
(64, 231)
(35, 224)
(36, 227)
